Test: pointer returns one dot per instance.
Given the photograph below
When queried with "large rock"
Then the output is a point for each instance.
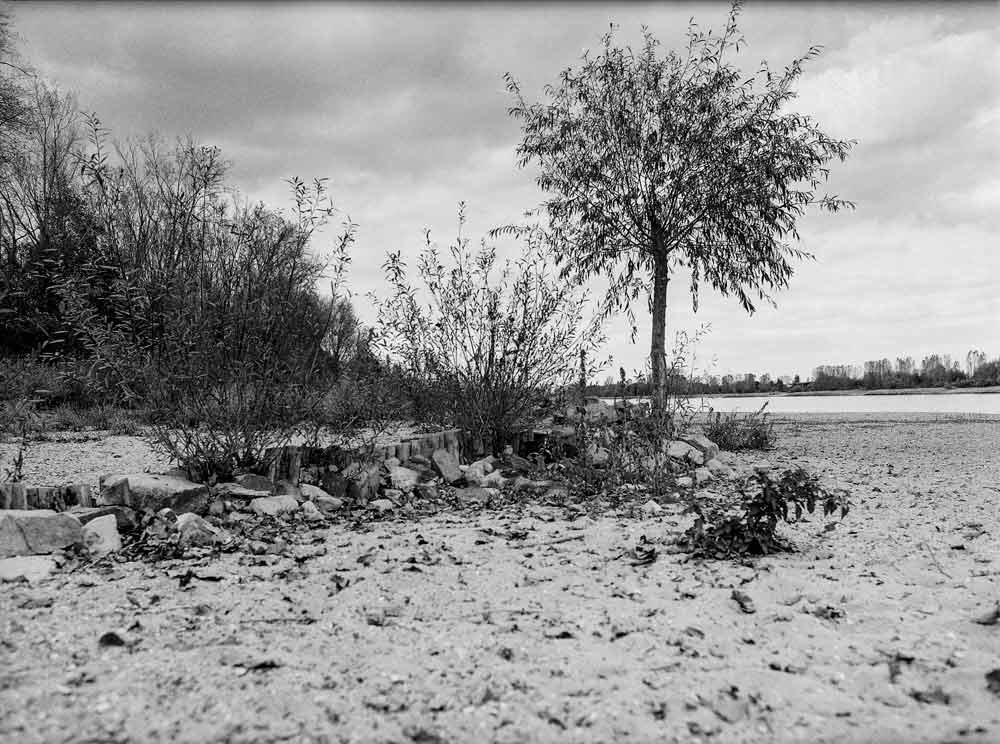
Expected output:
(149, 492)
(30, 568)
(328, 504)
(679, 450)
(404, 479)
(255, 482)
(101, 537)
(705, 445)
(36, 531)
(272, 506)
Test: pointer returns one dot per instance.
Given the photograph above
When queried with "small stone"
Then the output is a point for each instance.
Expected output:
(311, 512)
(101, 537)
(31, 568)
(685, 481)
(382, 505)
(702, 475)
(717, 468)
(254, 482)
(651, 508)
(404, 479)
(278, 547)
(272, 506)
(195, 531)
(472, 495)
(679, 450)
(257, 547)
(329, 504)
(312, 492)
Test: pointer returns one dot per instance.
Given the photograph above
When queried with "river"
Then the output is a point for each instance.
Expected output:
(968, 403)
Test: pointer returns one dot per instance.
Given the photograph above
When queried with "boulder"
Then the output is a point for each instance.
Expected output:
(704, 445)
(272, 506)
(476, 473)
(197, 532)
(679, 450)
(101, 537)
(403, 479)
(36, 531)
(254, 482)
(30, 568)
(149, 492)
(702, 475)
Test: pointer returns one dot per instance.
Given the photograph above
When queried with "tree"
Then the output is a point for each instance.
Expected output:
(653, 163)
(12, 106)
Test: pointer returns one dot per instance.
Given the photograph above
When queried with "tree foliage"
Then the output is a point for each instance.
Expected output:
(652, 162)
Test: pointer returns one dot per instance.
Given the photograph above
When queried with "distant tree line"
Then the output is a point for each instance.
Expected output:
(935, 370)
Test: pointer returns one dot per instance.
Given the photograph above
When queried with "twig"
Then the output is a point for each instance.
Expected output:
(935, 561)
(554, 541)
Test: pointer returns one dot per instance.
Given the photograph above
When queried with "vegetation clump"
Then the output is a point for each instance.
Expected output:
(750, 527)
(735, 431)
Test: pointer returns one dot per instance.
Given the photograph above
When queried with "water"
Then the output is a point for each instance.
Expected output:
(967, 403)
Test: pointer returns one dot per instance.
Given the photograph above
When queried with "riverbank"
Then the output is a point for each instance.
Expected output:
(989, 389)
(531, 623)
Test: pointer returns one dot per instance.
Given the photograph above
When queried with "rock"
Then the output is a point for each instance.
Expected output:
(127, 520)
(715, 467)
(524, 484)
(404, 479)
(101, 537)
(36, 531)
(312, 492)
(705, 445)
(419, 461)
(685, 481)
(382, 505)
(278, 547)
(519, 463)
(393, 494)
(30, 568)
(427, 491)
(391, 462)
(149, 492)
(702, 475)
(493, 480)
(254, 482)
(195, 531)
(328, 504)
(311, 512)
(240, 492)
(679, 450)
(472, 495)
(272, 506)
(651, 508)
(762, 466)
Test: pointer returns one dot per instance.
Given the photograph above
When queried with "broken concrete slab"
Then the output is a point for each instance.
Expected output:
(447, 465)
(31, 568)
(37, 531)
(101, 537)
(150, 492)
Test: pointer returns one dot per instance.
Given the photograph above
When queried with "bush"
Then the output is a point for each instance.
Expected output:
(736, 431)
(490, 347)
(201, 307)
(719, 531)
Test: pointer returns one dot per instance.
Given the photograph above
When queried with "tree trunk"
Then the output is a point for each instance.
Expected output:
(657, 348)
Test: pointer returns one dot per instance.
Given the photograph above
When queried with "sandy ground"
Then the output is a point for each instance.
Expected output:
(458, 628)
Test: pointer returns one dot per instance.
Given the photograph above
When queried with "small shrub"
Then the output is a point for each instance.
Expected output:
(721, 531)
(736, 431)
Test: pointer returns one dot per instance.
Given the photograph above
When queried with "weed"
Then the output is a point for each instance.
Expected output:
(736, 431)
(750, 528)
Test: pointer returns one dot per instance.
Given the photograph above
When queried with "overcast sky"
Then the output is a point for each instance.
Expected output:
(404, 108)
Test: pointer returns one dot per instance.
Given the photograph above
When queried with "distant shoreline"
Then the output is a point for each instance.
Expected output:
(825, 393)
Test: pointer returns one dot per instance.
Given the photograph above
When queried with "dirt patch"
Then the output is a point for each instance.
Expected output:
(539, 624)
